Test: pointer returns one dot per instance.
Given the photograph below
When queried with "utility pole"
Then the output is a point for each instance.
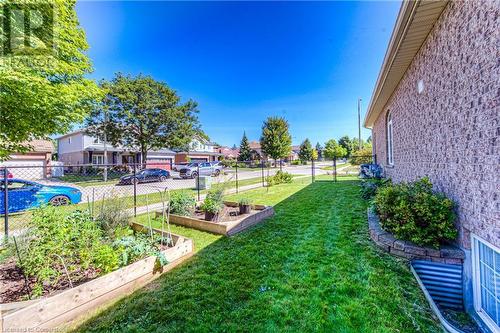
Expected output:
(359, 123)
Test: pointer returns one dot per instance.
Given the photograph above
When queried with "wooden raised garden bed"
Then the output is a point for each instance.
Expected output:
(224, 226)
(50, 312)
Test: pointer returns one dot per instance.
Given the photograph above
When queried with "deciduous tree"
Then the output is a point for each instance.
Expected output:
(334, 150)
(145, 114)
(276, 140)
(42, 95)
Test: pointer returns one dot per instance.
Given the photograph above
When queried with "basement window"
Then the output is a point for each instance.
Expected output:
(486, 278)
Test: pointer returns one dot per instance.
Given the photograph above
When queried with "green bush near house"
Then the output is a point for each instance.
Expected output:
(279, 178)
(369, 187)
(412, 211)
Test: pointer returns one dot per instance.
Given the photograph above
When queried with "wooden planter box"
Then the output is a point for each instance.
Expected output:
(53, 311)
(228, 228)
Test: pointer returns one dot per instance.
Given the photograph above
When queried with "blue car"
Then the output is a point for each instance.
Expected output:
(23, 195)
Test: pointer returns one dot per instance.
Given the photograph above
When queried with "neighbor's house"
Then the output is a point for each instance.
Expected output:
(200, 150)
(34, 164)
(228, 153)
(435, 111)
(257, 152)
(77, 148)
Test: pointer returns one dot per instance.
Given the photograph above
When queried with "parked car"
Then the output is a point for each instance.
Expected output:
(9, 174)
(145, 176)
(204, 169)
(24, 194)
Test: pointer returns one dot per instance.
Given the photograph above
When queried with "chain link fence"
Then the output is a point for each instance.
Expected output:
(141, 187)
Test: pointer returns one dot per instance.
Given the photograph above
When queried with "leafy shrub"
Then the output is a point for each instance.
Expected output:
(112, 215)
(133, 248)
(56, 240)
(369, 187)
(213, 202)
(411, 211)
(296, 162)
(182, 203)
(210, 206)
(279, 178)
(362, 156)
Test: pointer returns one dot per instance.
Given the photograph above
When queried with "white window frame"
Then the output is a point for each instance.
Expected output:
(97, 158)
(97, 140)
(476, 281)
(390, 141)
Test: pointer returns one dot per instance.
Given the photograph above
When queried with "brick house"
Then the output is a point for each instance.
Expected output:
(34, 164)
(435, 111)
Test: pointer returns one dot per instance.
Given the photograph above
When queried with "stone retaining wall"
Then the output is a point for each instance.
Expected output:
(409, 250)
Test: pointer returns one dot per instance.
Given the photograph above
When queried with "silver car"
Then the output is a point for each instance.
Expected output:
(196, 169)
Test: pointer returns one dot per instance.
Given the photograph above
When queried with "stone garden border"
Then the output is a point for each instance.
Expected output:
(229, 228)
(50, 313)
(387, 242)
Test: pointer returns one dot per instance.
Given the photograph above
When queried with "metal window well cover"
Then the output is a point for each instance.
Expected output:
(442, 285)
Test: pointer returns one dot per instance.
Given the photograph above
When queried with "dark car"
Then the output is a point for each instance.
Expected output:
(145, 176)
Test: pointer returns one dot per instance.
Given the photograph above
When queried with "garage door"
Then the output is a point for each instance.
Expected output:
(26, 169)
(159, 163)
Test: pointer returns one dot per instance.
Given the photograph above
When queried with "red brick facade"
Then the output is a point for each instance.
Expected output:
(451, 130)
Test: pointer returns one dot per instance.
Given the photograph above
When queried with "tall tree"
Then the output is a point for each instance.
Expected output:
(276, 140)
(245, 150)
(334, 150)
(347, 143)
(314, 155)
(144, 114)
(305, 152)
(319, 150)
(43, 95)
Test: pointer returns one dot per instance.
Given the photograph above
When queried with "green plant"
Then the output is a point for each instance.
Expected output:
(57, 241)
(216, 194)
(369, 187)
(182, 203)
(112, 215)
(244, 201)
(211, 206)
(411, 211)
(279, 178)
(133, 248)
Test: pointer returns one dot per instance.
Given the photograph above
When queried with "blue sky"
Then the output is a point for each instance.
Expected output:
(244, 61)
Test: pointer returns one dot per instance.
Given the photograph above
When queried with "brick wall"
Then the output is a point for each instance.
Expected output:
(451, 131)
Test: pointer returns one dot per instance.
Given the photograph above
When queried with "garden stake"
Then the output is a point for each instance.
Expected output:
(65, 270)
(149, 217)
(21, 264)
(169, 233)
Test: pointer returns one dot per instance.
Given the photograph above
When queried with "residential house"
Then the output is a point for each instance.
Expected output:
(77, 148)
(34, 164)
(257, 152)
(228, 153)
(435, 111)
(200, 150)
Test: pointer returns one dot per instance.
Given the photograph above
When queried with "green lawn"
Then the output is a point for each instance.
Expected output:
(310, 268)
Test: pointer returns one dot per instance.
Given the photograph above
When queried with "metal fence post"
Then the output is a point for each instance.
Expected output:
(6, 202)
(312, 170)
(236, 176)
(262, 167)
(135, 191)
(198, 180)
(335, 168)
